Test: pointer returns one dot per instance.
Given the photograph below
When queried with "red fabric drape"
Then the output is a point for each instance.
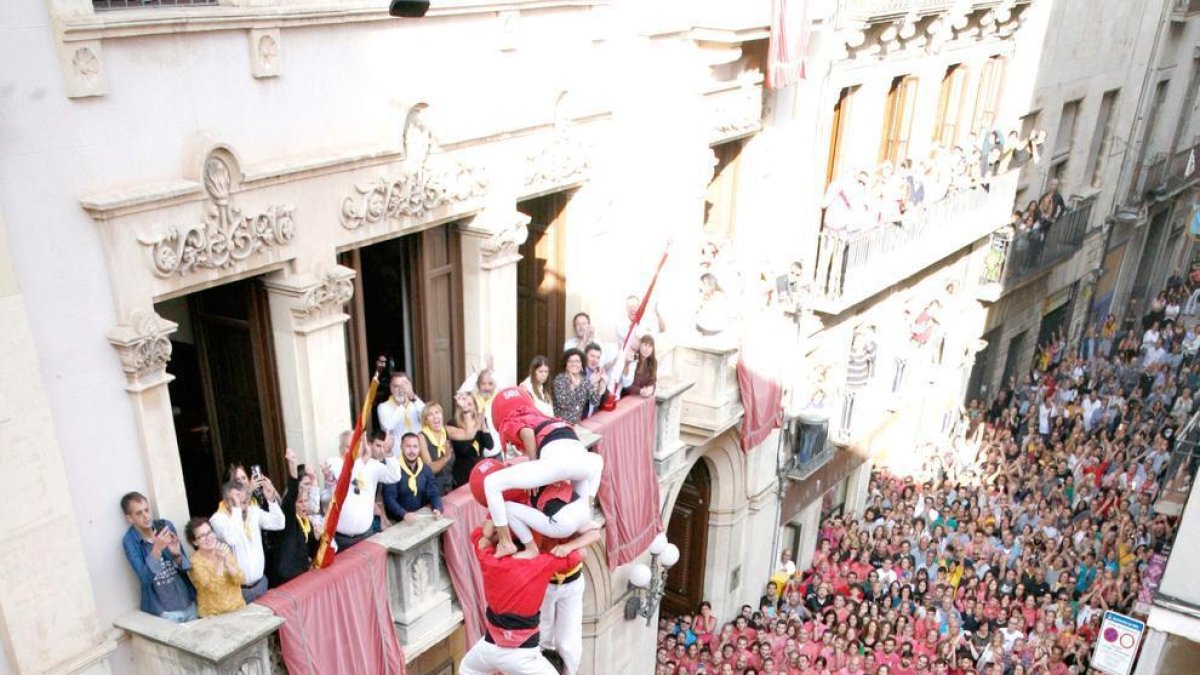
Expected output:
(789, 42)
(762, 398)
(629, 485)
(461, 507)
(337, 619)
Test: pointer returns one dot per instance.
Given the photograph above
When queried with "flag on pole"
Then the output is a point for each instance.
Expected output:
(789, 42)
(610, 402)
(325, 552)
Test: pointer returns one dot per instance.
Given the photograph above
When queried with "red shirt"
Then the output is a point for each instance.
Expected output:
(510, 428)
(514, 590)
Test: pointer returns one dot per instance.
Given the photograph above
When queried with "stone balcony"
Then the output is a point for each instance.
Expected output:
(854, 267)
(732, 22)
(714, 403)
(1011, 259)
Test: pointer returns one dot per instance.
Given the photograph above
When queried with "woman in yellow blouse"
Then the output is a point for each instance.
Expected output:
(215, 572)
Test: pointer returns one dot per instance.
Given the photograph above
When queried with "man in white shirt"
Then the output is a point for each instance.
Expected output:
(632, 303)
(401, 413)
(1091, 411)
(239, 523)
(358, 510)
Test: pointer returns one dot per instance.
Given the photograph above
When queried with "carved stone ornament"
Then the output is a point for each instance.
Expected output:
(330, 294)
(421, 187)
(82, 65)
(265, 60)
(144, 346)
(505, 243)
(738, 112)
(226, 237)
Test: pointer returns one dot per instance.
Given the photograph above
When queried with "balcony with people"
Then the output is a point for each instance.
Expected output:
(1036, 240)
(885, 225)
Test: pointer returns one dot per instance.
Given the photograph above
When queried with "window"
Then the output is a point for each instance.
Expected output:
(1102, 136)
(136, 4)
(837, 132)
(950, 105)
(833, 502)
(898, 119)
(1160, 95)
(987, 100)
(1065, 138)
(1186, 112)
(1029, 123)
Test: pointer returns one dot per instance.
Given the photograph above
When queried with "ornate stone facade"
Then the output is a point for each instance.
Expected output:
(144, 346)
(226, 237)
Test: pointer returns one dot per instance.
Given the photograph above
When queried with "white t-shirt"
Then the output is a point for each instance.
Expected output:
(245, 536)
(359, 508)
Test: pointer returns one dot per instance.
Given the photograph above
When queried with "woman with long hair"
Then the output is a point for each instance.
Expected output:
(538, 385)
(436, 451)
(641, 375)
(468, 451)
(573, 390)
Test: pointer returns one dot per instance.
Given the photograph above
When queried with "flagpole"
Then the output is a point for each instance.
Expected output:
(325, 552)
(637, 318)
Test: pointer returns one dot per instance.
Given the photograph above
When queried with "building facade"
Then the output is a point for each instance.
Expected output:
(216, 214)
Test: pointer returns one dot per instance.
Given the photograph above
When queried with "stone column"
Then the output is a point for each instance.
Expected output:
(310, 358)
(48, 617)
(490, 242)
(144, 346)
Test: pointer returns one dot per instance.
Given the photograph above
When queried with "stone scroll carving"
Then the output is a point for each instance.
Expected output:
(144, 346)
(225, 237)
(422, 186)
(334, 290)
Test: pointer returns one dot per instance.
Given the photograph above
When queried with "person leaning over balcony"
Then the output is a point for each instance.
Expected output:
(1052, 204)
(401, 413)
(641, 375)
(215, 571)
(572, 390)
(240, 523)
(436, 451)
(292, 549)
(152, 548)
(419, 487)
(373, 466)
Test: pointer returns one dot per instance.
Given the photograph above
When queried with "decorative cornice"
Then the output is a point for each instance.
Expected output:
(421, 187)
(562, 162)
(144, 347)
(226, 237)
(504, 244)
(334, 290)
(736, 112)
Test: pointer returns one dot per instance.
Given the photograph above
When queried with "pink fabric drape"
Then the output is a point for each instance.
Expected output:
(337, 619)
(460, 507)
(629, 485)
(789, 42)
(762, 399)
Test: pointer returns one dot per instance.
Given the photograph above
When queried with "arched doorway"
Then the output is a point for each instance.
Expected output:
(688, 529)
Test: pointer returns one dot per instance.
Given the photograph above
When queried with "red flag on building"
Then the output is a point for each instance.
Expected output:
(789, 42)
(611, 401)
(325, 552)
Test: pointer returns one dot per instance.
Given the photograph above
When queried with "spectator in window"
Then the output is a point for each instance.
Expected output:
(152, 548)
(417, 489)
(469, 449)
(1052, 204)
(436, 451)
(240, 523)
(220, 582)
(372, 467)
(401, 413)
(641, 376)
(574, 392)
(294, 547)
(537, 385)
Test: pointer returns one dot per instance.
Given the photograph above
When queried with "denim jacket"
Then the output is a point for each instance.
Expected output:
(137, 551)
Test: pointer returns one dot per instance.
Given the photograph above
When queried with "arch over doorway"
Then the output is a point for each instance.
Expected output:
(688, 529)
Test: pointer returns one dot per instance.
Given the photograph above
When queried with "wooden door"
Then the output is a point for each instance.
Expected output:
(237, 370)
(688, 529)
(541, 282)
(437, 329)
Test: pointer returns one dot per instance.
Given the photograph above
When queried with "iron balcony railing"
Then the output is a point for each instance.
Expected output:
(852, 266)
(1013, 259)
(1165, 173)
(1182, 9)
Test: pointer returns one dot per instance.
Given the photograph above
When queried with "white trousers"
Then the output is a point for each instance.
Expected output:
(564, 459)
(525, 520)
(561, 624)
(486, 658)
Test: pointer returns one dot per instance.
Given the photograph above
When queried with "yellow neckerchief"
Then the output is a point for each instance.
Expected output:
(482, 405)
(435, 439)
(412, 473)
(224, 508)
(305, 525)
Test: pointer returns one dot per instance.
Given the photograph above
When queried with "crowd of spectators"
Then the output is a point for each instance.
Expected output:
(259, 538)
(1000, 554)
(888, 193)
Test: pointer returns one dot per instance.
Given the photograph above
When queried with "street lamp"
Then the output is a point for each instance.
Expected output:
(648, 584)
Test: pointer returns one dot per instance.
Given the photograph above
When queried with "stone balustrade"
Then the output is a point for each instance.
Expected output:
(669, 455)
(230, 644)
(713, 404)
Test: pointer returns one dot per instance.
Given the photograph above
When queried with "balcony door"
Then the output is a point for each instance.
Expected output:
(542, 282)
(688, 529)
(226, 392)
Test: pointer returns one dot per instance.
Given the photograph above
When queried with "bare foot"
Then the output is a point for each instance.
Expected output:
(528, 553)
(504, 548)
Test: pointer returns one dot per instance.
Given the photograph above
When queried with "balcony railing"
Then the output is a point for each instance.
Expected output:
(1165, 173)
(1182, 9)
(852, 267)
(1012, 259)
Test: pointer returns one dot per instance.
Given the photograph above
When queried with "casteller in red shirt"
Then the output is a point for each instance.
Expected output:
(513, 590)
(513, 411)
